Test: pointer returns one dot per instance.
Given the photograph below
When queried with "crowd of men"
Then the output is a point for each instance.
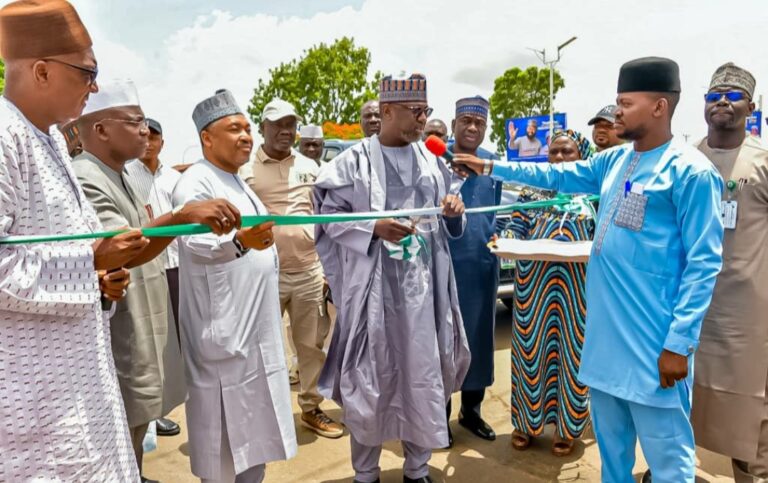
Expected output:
(100, 339)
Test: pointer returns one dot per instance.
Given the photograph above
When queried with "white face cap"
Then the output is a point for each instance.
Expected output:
(278, 109)
(113, 93)
(311, 132)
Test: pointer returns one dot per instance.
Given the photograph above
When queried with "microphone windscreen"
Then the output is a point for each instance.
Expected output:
(435, 145)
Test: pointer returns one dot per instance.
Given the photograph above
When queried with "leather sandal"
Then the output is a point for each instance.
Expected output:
(520, 440)
(562, 446)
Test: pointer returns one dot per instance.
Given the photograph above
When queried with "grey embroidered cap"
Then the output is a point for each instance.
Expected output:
(221, 104)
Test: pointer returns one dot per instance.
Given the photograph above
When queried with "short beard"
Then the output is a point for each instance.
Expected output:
(634, 134)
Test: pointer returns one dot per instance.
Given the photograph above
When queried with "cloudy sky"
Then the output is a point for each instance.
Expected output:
(180, 51)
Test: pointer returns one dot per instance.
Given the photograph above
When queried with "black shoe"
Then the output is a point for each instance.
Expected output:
(423, 479)
(357, 481)
(147, 480)
(646, 477)
(478, 427)
(166, 427)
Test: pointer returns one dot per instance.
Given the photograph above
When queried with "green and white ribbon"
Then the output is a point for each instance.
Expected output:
(280, 220)
(407, 248)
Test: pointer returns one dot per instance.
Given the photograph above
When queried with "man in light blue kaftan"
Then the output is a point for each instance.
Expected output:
(656, 254)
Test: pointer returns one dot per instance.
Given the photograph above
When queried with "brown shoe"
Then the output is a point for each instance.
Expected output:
(320, 423)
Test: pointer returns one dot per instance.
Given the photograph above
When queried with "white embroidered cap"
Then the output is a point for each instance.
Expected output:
(113, 93)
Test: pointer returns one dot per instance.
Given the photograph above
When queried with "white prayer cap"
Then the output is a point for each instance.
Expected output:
(113, 93)
(311, 132)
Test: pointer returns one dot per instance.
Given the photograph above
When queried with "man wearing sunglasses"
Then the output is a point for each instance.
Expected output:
(60, 407)
(399, 348)
(730, 393)
(145, 347)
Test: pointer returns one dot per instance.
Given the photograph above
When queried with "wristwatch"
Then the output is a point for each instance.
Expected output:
(487, 167)
(240, 248)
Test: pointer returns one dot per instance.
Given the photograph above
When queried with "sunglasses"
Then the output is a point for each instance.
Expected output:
(91, 73)
(417, 111)
(732, 96)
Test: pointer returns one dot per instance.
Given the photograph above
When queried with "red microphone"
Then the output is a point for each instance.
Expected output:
(437, 146)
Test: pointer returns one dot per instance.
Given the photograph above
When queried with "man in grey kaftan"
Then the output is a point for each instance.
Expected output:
(399, 348)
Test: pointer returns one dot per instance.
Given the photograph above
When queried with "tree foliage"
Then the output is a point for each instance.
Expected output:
(327, 83)
(2, 76)
(520, 93)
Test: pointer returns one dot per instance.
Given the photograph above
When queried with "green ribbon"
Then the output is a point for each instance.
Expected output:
(248, 221)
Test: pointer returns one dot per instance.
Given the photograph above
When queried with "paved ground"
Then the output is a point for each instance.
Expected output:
(471, 460)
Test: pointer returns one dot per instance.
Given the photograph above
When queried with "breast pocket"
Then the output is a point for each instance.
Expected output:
(631, 212)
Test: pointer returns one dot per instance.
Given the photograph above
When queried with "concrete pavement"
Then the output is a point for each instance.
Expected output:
(472, 460)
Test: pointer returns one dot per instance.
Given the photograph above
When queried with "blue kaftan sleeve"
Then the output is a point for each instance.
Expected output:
(698, 215)
(583, 176)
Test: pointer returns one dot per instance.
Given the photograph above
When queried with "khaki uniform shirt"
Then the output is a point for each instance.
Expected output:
(285, 188)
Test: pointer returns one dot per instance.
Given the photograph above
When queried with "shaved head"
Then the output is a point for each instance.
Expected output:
(437, 128)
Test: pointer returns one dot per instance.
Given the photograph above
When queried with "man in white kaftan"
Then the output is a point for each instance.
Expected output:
(239, 408)
(61, 413)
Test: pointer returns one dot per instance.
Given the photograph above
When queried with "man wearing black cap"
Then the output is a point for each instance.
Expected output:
(656, 254)
(603, 129)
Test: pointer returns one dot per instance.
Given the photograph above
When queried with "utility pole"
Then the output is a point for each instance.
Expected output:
(550, 57)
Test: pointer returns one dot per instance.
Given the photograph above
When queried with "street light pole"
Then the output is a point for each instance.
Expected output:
(548, 61)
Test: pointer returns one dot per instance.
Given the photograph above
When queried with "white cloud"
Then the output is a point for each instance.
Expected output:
(461, 47)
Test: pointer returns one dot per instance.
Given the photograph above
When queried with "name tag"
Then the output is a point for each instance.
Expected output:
(729, 210)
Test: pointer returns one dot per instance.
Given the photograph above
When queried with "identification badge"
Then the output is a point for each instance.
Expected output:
(729, 211)
(631, 213)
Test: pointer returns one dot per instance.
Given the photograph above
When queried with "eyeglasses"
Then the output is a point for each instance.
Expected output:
(417, 111)
(732, 96)
(140, 124)
(92, 73)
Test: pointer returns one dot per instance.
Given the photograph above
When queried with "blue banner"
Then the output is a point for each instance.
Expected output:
(528, 137)
(754, 124)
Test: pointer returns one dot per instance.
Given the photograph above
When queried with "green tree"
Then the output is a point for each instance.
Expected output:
(327, 83)
(519, 93)
(2, 76)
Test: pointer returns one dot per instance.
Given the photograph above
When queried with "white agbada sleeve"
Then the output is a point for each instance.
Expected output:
(215, 248)
(44, 278)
